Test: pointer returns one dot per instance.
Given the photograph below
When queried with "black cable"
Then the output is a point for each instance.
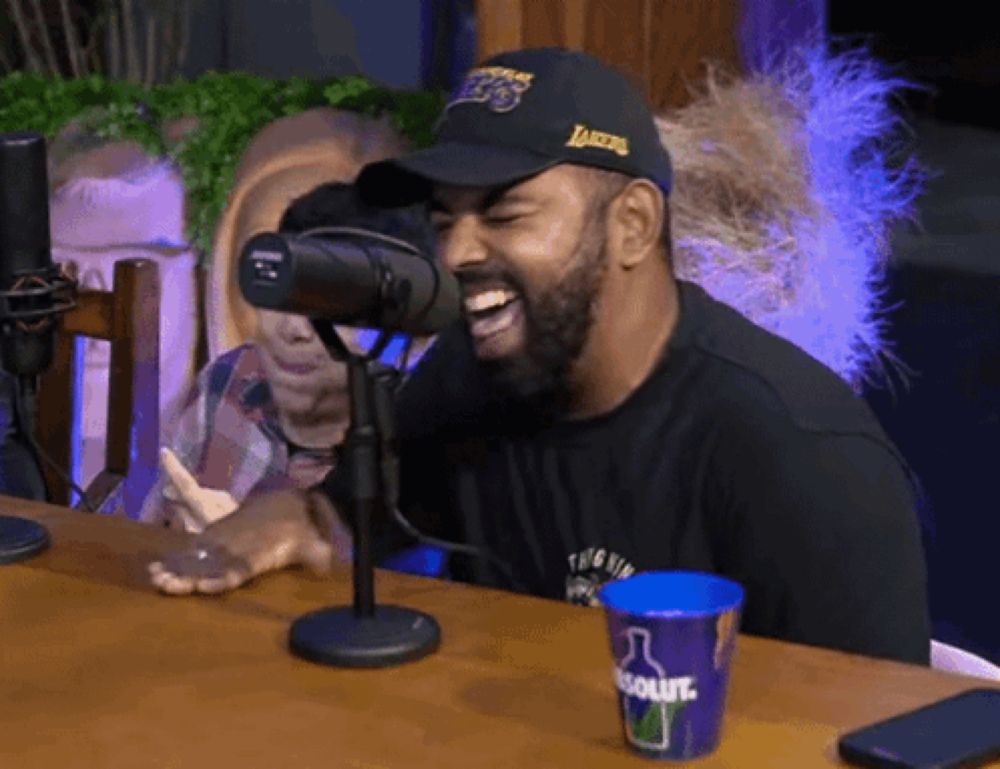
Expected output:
(384, 337)
(404, 360)
(459, 548)
(452, 547)
(26, 425)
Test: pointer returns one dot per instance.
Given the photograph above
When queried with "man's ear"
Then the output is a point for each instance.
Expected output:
(636, 222)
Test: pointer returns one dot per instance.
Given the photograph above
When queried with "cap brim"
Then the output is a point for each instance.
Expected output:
(410, 179)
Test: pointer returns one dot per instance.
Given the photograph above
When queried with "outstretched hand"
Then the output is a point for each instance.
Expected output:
(265, 533)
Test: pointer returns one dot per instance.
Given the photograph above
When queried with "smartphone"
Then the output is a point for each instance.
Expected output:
(961, 731)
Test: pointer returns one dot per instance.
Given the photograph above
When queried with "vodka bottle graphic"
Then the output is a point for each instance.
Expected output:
(646, 721)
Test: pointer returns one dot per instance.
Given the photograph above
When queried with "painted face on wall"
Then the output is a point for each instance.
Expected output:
(136, 214)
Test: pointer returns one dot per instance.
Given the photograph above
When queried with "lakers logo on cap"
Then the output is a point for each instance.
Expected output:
(587, 137)
(500, 88)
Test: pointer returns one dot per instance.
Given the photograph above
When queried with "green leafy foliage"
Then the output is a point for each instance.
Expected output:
(230, 109)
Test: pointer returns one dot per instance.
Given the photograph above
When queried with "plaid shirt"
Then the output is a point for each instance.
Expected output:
(229, 438)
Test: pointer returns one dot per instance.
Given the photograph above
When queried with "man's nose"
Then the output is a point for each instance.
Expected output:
(463, 245)
(296, 328)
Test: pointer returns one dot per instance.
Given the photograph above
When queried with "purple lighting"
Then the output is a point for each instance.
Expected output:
(797, 185)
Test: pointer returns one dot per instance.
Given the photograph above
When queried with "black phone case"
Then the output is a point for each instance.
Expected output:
(855, 747)
(862, 757)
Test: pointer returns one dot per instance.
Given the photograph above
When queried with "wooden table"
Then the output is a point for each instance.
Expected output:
(98, 670)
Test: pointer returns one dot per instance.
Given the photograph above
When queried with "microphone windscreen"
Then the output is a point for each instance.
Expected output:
(24, 205)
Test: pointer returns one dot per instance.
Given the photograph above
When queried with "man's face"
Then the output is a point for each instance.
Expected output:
(301, 374)
(530, 259)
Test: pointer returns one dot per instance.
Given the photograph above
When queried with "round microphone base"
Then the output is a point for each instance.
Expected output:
(21, 538)
(339, 638)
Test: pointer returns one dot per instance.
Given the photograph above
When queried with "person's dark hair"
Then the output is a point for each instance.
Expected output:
(338, 204)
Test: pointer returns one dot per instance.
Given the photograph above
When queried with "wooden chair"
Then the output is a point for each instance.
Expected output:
(128, 317)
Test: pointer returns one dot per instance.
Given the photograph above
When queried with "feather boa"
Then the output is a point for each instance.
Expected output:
(787, 185)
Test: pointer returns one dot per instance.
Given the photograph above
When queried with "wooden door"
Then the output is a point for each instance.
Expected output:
(662, 44)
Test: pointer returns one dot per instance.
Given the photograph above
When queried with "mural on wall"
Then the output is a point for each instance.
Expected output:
(116, 202)
(286, 159)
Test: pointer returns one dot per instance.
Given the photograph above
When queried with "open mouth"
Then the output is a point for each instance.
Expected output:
(490, 313)
(295, 368)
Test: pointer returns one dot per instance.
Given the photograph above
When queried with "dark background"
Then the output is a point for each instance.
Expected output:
(945, 277)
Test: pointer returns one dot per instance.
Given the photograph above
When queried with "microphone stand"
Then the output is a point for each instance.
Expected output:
(365, 635)
(22, 538)
(34, 294)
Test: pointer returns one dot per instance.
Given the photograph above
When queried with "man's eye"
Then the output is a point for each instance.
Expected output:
(504, 217)
(440, 225)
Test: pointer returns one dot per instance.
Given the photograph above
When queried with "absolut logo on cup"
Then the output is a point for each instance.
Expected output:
(650, 698)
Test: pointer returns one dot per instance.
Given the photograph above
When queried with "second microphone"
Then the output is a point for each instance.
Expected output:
(351, 277)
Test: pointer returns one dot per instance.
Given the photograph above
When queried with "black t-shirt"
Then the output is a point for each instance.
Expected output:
(739, 455)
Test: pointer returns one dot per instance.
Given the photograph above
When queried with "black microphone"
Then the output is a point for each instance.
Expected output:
(357, 277)
(352, 277)
(33, 292)
(27, 273)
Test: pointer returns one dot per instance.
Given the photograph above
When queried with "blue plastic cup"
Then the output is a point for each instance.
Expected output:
(673, 634)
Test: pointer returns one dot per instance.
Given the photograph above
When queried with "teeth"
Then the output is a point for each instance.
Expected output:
(488, 300)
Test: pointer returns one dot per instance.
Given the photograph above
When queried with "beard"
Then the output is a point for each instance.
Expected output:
(557, 325)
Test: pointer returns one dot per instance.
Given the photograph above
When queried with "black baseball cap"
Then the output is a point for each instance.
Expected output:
(520, 113)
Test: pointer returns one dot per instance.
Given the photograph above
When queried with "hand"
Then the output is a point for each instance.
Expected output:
(198, 507)
(265, 533)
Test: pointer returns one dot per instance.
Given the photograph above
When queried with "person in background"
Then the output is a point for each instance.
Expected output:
(267, 414)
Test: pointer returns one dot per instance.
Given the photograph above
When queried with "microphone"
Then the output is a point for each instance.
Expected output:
(356, 277)
(351, 277)
(28, 277)
(33, 292)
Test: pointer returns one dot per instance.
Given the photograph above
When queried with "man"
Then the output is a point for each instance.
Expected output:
(268, 413)
(593, 416)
